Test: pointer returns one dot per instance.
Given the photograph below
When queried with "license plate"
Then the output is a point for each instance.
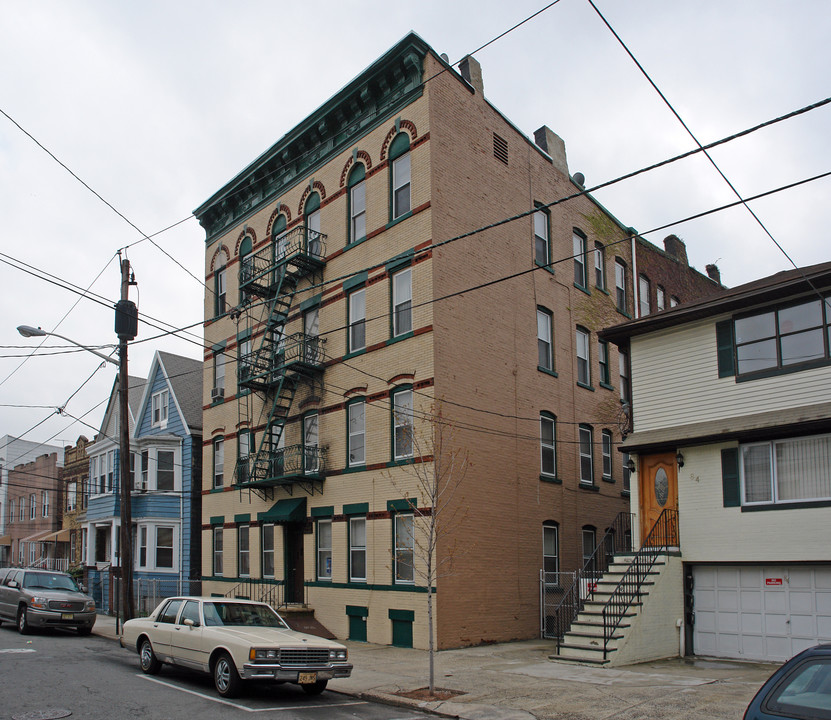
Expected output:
(307, 677)
(67, 616)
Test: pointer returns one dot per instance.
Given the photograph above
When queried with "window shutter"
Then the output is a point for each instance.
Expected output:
(724, 344)
(730, 477)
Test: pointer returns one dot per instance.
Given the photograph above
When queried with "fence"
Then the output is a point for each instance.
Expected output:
(149, 592)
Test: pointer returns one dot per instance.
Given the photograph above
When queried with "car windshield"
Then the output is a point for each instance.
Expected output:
(241, 615)
(48, 581)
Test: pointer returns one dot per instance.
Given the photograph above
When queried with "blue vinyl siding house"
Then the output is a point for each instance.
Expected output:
(165, 449)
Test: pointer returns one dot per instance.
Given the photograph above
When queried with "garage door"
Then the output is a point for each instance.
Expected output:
(766, 612)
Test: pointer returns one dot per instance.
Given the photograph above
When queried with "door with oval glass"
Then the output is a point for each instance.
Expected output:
(658, 492)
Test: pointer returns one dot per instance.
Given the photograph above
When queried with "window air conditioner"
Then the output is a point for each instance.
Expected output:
(217, 393)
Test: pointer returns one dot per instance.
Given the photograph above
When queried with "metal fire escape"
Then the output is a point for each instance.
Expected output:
(274, 365)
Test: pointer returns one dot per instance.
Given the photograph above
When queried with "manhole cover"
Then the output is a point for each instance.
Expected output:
(49, 714)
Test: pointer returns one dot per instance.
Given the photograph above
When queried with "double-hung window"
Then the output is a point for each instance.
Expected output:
(644, 290)
(220, 286)
(357, 320)
(311, 456)
(580, 269)
(164, 548)
(245, 359)
(603, 362)
(786, 471)
(626, 473)
(400, 160)
(599, 266)
(11, 511)
(550, 552)
(404, 549)
(402, 302)
(357, 433)
(165, 470)
(217, 551)
(606, 450)
(585, 445)
(314, 240)
(142, 546)
(542, 245)
(357, 203)
(33, 506)
(402, 419)
(357, 549)
(623, 369)
(548, 446)
(22, 513)
(583, 359)
(545, 340)
(267, 546)
(219, 376)
(44, 503)
(243, 550)
(219, 462)
(244, 443)
(660, 298)
(246, 266)
(159, 408)
(620, 285)
(324, 549)
(312, 354)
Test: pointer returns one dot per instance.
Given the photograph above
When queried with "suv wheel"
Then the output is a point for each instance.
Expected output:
(22, 622)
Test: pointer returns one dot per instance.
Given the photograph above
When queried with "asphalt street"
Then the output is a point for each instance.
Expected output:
(53, 673)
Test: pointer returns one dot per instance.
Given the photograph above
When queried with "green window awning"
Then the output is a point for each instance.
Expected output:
(286, 510)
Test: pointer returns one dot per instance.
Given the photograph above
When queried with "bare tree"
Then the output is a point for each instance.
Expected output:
(438, 467)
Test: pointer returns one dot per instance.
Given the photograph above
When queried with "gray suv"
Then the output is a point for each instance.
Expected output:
(43, 598)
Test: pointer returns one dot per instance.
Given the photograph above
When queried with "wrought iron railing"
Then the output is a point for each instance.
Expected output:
(261, 590)
(299, 250)
(290, 462)
(664, 535)
(571, 595)
(302, 348)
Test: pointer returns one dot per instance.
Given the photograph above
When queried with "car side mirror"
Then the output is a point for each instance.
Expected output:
(13, 584)
(192, 623)
(83, 587)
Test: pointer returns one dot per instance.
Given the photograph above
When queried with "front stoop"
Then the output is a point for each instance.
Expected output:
(583, 643)
(303, 620)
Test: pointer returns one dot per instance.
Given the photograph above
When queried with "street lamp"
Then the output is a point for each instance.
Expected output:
(28, 331)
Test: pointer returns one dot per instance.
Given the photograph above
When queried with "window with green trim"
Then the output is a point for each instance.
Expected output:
(356, 413)
(220, 287)
(313, 238)
(623, 369)
(603, 362)
(620, 285)
(402, 420)
(542, 242)
(584, 375)
(356, 301)
(243, 551)
(357, 549)
(245, 360)
(606, 451)
(311, 455)
(545, 339)
(246, 265)
(404, 549)
(219, 376)
(599, 266)
(217, 551)
(357, 203)
(402, 302)
(324, 549)
(279, 238)
(400, 175)
(548, 445)
(580, 256)
(245, 444)
(586, 450)
(219, 462)
(267, 550)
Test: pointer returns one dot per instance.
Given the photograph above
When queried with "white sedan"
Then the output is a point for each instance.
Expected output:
(234, 640)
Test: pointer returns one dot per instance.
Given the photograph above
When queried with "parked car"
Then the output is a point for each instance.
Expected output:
(34, 598)
(234, 640)
(801, 689)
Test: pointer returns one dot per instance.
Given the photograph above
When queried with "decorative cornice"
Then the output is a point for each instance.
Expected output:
(389, 84)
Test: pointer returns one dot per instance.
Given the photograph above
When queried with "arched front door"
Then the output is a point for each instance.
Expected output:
(658, 487)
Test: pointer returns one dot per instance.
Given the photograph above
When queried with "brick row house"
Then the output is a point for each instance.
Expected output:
(352, 309)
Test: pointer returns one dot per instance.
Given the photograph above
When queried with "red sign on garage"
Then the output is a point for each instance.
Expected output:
(773, 581)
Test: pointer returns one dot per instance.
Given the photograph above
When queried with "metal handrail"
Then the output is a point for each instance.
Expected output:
(616, 540)
(664, 534)
(260, 589)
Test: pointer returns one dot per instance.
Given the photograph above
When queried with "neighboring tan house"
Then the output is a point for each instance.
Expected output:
(350, 301)
(13, 452)
(35, 499)
(74, 482)
(732, 442)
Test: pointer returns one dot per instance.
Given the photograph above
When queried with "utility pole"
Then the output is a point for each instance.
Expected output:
(126, 327)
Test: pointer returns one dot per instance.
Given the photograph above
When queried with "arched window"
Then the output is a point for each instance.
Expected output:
(220, 286)
(278, 237)
(357, 203)
(311, 214)
(246, 266)
(400, 175)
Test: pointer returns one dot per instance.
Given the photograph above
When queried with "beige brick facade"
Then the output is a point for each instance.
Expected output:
(475, 352)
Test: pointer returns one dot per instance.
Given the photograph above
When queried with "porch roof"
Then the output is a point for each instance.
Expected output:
(6, 540)
(59, 536)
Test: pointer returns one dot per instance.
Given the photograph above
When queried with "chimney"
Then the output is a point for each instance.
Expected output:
(675, 246)
(548, 141)
(471, 71)
(713, 273)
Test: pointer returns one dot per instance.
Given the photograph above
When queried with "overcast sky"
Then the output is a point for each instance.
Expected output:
(155, 105)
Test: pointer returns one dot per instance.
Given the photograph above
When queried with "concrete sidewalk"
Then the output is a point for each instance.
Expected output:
(518, 681)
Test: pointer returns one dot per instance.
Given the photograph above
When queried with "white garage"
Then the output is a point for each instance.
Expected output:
(760, 612)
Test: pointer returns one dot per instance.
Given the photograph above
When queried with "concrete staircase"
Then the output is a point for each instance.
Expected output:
(583, 642)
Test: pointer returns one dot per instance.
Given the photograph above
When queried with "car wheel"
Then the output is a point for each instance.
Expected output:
(22, 621)
(85, 629)
(314, 688)
(147, 658)
(226, 677)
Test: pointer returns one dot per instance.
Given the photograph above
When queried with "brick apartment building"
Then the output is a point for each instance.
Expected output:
(71, 539)
(351, 301)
